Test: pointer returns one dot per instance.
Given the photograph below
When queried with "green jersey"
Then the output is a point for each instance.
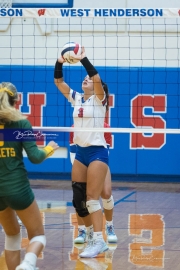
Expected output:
(13, 174)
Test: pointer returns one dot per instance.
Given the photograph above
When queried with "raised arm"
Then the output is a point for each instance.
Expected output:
(93, 74)
(58, 78)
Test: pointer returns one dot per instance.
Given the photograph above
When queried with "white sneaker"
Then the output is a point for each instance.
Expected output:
(94, 248)
(111, 236)
(81, 238)
(25, 265)
(94, 264)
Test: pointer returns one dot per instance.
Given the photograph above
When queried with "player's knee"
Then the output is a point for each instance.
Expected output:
(93, 206)
(13, 242)
(108, 204)
(79, 198)
(39, 238)
(106, 194)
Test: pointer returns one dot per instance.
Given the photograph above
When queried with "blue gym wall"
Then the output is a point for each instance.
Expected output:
(125, 84)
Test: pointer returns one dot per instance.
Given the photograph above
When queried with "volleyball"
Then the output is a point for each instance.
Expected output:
(70, 50)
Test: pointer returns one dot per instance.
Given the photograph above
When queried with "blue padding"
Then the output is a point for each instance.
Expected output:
(124, 85)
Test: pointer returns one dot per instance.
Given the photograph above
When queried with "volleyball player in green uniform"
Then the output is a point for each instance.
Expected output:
(16, 195)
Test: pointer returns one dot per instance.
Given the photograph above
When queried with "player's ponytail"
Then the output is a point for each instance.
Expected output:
(8, 98)
(105, 87)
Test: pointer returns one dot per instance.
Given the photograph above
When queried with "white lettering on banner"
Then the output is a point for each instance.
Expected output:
(139, 120)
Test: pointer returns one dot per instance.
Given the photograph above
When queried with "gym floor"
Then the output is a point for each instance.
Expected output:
(146, 221)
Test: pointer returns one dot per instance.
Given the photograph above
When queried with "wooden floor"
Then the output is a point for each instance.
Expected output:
(146, 220)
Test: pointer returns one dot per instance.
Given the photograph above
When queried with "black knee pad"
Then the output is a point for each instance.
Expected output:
(79, 198)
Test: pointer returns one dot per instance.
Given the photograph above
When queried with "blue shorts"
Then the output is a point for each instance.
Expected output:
(86, 155)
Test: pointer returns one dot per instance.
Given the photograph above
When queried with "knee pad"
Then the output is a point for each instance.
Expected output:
(39, 238)
(108, 204)
(13, 242)
(93, 206)
(79, 198)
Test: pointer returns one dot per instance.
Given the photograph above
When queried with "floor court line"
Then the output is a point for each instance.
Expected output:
(124, 198)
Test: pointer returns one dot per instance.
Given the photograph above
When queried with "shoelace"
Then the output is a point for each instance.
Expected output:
(110, 230)
(90, 240)
(81, 233)
(90, 235)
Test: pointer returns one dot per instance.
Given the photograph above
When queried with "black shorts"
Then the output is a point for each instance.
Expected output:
(19, 201)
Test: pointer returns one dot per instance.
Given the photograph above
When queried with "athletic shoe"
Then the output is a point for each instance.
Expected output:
(111, 236)
(25, 265)
(94, 264)
(94, 248)
(81, 239)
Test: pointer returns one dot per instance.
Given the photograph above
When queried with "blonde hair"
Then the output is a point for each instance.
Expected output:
(8, 97)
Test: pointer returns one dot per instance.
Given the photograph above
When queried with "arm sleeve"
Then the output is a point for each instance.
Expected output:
(35, 154)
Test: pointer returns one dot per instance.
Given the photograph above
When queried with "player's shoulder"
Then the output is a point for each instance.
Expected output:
(24, 123)
(74, 93)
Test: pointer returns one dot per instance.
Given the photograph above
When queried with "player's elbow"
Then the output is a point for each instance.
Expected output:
(96, 78)
(34, 160)
(56, 82)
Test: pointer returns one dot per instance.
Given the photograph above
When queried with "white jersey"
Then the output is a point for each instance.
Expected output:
(88, 114)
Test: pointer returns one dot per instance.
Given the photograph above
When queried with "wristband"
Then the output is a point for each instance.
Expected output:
(91, 71)
(49, 150)
(58, 73)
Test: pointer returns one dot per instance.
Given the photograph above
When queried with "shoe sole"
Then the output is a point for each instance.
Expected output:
(110, 242)
(105, 248)
(102, 250)
(79, 242)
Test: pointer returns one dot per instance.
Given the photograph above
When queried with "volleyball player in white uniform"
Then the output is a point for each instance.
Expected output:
(91, 162)
(84, 233)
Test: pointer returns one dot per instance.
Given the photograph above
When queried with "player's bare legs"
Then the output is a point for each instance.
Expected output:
(11, 227)
(108, 205)
(84, 223)
(95, 175)
(31, 218)
(95, 181)
(106, 194)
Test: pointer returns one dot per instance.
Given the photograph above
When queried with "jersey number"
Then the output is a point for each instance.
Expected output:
(80, 114)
